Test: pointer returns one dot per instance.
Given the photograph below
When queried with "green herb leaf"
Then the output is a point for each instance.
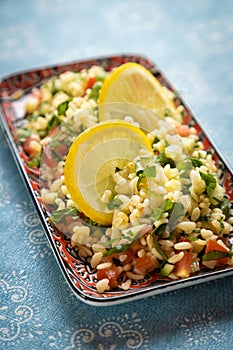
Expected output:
(53, 89)
(158, 248)
(164, 160)
(214, 255)
(159, 230)
(167, 112)
(177, 212)
(156, 139)
(185, 168)
(35, 161)
(101, 76)
(225, 205)
(196, 162)
(192, 239)
(108, 243)
(114, 203)
(53, 122)
(131, 236)
(210, 182)
(166, 205)
(150, 171)
(60, 215)
(95, 91)
(32, 117)
(62, 107)
(158, 213)
(140, 178)
(142, 173)
(221, 224)
(23, 134)
(117, 249)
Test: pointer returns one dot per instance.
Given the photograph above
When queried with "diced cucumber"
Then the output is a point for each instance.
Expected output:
(167, 270)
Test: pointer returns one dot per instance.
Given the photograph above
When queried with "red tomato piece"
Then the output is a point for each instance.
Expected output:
(183, 130)
(91, 81)
(135, 247)
(111, 273)
(145, 264)
(183, 267)
(27, 146)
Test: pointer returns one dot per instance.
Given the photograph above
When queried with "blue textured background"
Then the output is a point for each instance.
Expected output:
(192, 42)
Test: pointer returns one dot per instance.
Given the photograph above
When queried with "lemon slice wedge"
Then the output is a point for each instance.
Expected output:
(132, 83)
(94, 157)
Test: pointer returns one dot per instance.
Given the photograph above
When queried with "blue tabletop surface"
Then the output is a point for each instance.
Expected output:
(192, 42)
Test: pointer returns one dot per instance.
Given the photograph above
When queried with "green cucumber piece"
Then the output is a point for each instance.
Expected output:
(167, 270)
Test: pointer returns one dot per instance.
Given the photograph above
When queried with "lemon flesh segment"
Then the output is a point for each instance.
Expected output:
(133, 84)
(92, 160)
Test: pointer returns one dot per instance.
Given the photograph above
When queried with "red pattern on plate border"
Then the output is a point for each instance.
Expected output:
(76, 271)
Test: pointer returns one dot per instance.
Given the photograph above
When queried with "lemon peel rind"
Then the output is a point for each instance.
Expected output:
(125, 70)
(72, 166)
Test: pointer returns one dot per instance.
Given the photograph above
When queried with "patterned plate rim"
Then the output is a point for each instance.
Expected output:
(25, 81)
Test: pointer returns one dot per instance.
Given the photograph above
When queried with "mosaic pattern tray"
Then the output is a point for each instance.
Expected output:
(77, 273)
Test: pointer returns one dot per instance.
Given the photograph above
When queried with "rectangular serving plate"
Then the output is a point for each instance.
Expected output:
(79, 276)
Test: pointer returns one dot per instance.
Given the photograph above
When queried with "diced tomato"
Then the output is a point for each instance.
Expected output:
(145, 264)
(111, 273)
(213, 245)
(27, 146)
(183, 267)
(183, 239)
(183, 130)
(135, 247)
(91, 81)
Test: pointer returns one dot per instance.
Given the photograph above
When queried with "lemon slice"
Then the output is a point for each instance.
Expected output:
(92, 160)
(132, 83)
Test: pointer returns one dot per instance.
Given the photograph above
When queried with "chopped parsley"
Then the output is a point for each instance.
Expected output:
(185, 168)
(117, 249)
(144, 172)
(164, 160)
(158, 248)
(23, 134)
(196, 163)
(166, 206)
(214, 255)
(177, 212)
(210, 182)
(225, 206)
(53, 122)
(94, 95)
(62, 107)
(114, 203)
(35, 161)
(59, 215)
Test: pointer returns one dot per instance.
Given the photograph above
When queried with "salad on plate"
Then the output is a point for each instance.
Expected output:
(125, 177)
